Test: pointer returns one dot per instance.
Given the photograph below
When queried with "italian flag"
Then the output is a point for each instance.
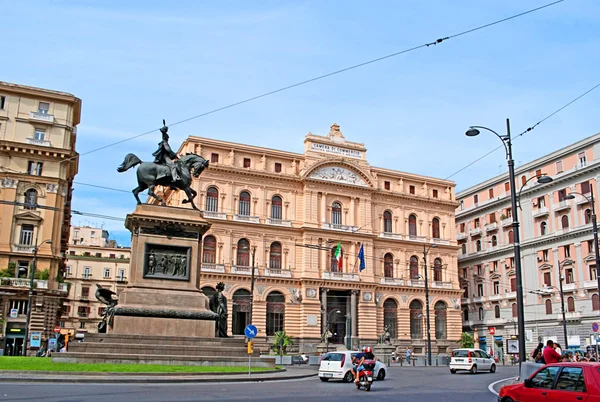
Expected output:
(338, 255)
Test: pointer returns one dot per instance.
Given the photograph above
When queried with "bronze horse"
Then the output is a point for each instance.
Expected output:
(188, 165)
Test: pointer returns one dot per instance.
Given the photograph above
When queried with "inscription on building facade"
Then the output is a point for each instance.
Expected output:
(331, 149)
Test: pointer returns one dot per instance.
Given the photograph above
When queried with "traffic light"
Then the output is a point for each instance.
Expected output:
(250, 347)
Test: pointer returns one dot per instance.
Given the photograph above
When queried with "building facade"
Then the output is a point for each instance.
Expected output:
(38, 162)
(92, 259)
(556, 242)
(286, 214)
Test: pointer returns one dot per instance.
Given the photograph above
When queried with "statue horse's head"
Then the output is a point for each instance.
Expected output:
(195, 163)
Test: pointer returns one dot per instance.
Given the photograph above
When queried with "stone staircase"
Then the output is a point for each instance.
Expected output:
(141, 349)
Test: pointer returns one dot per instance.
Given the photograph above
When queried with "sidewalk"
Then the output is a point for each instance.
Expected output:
(289, 373)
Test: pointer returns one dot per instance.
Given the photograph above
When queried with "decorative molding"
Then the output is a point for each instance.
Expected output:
(166, 313)
(311, 293)
(296, 295)
(338, 175)
(169, 230)
(367, 296)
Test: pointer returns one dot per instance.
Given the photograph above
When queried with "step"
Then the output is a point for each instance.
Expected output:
(164, 340)
(172, 350)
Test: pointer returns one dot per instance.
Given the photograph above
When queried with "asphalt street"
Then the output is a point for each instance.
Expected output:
(403, 384)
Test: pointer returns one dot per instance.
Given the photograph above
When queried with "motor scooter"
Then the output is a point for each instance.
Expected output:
(365, 379)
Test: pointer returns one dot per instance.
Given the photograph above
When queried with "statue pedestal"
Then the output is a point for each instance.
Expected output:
(163, 296)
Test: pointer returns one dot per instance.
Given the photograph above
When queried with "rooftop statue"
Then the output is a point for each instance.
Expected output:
(167, 170)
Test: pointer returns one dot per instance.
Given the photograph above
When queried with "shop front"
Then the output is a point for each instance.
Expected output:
(14, 339)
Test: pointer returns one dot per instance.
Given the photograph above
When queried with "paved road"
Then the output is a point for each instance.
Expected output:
(418, 384)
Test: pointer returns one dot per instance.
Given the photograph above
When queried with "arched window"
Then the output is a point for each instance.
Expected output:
(587, 216)
(496, 311)
(244, 203)
(388, 265)
(595, 302)
(209, 250)
(243, 253)
(523, 180)
(276, 207)
(31, 198)
(212, 199)
(435, 228)
(466, 314)
(570, 304)
(564, 221)
(275, 255)
(337, 265)
(387, 222)
(440, 309)
(463, 248)
(511, 237)
(437, 270)
(494, 241)
(241, 311)
(514, 309)
(208, 291)
(481, 313)
(412, 225)
(543, 228)
(275, 312)
(548, 303)
(336, 213)
(416, 320)
(478, 244)
(390, 316)
(414, 267)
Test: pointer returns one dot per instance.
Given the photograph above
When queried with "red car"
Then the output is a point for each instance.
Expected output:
(561, 382)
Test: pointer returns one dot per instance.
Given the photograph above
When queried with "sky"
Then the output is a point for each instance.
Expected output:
(134, 63)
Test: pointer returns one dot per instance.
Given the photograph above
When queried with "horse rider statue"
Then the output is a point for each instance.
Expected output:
(164, 155)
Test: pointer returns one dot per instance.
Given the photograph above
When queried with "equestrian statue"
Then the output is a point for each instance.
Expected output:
(167, 170)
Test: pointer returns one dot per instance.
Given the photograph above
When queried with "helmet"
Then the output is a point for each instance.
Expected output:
(368, 349)
(364, 348)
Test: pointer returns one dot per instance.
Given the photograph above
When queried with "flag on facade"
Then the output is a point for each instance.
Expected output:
(338, 255)
(361, 257)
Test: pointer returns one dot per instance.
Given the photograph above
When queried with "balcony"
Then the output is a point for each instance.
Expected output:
(471, 323)
(341, 276)
(278, 272)
(540, 212)
(461, 236)
(215, 215)
(342, 228)
(86, 277)
(510, 295)
(570, 316)
(582, 200)
(207, 267)
(392, 281)
(494, 297)
(590, 284)
(568, 287)
(475, 232)
(496, 321)
(41, 117)
(506, 222)
(122, 279)
(23, 248)
(444, 242)
(562, 206)
(24, 283)
(441, 285)
(420, 239)
(246, 218)
(82, 314)
(42, 143)
(490, 227)
(478, 299)
(416, 282)
(279, 222)
(63, 287)
(243, 270)
(390, 235)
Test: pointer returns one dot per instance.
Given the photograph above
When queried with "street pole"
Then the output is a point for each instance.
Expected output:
(427, 306)
(596, 251)
(30, 298)
(562, 303)
(252, 286)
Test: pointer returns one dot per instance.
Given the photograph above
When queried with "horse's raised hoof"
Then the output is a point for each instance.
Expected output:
(185, 201)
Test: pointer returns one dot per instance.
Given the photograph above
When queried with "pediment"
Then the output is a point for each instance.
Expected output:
(28, 216)
(545, 266)
(338, 174)
(495, 276)
(511, 272)
(590, 258)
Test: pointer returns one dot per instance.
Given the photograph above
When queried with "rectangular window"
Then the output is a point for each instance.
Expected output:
(569, 275)
(462, 205)
(85, 291)
(590, 246)
(2, 101)
(593, 272)
(214, 158)
(39, 134)
(538, 173)
(476, 199)
(435, 193)
(507, 186)
(34, 168)
(411, 189)
(479, 273)
(22, 269)
(121, 274)
(567, 251)
(462, 227)
(559, 167)
(513, 284)
(585, 187)
(545, 255)
(492, 217)
(101, 311)
(476, 222)
(547, 279)
(19, 305)
(106, 273)
(68, 271)
(509, 212)
(386, 185)
(562, 194)
(496, 288)
(541, 202)
(480, 290)
(491, 193)
(277, 167)
(582, 160)
(495, 266)
(87, 272)
(43, 107)
(61, 324)
(26, 237)
(82, 324)
(246, 162)
(112, 255)
(465, 273)
(92, 234)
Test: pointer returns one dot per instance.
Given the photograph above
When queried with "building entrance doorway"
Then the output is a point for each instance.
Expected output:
(241, 311)
(338, 300)
(14, 346)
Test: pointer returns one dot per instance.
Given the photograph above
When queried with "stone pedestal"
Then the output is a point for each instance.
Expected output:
(163, 296)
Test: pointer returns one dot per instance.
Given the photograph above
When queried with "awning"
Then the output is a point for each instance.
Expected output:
(482, 339)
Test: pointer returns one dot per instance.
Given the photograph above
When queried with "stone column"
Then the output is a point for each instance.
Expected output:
(323, 310)
(323, 208)
(352, 214)
(353, 314)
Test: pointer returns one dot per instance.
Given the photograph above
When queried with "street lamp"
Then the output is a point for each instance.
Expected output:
(571, 196)
(327, 328)
(542, 179)
(252, 285)
(30, 298)
(425, 252)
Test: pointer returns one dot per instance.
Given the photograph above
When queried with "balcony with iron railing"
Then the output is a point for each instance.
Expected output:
(279, 222)
(41, 117)
(341, 228)
(341, 276)
(246, 218)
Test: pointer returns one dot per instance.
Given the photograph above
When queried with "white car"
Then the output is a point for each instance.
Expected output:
(338, 366)
(471, 360)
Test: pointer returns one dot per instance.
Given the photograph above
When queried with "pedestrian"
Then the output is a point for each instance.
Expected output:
(408, 353)
(551, 355)
(537, 354)
(558, 348)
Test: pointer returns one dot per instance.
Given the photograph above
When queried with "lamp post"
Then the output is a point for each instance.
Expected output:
(594, 229)
(327, 328)
(562, 301)
(30, 297)
(252, 285)
(425, 252)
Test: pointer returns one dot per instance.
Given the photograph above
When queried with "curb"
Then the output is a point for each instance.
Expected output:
(502, 382)
(31, 373)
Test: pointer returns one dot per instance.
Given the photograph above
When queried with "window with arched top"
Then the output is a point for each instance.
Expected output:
(514, 309)
(494, 241)
(276, 207)
(209, 250)
(388, 265)
(416, 319)
(543, 228)
(564, 221)
(31, 199)
(548, 304)
(243, 253)
(412, 225)
(587, 216)
(414, 267)
(390, 316)
(463, 248)
(212, 199)
(523, 180)
(275, 313)
(435, 228)
(208, 291)
(440, 310)
(437, 270)
(336, 213)
(275, 255)
(241, 311)
(387, 222)
(244, 203)
(496, 311)
(511, 237)
(570, 304)
(478, 245)
(595, 302)
(466, 315)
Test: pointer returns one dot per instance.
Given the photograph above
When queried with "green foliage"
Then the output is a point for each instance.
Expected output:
(281, 338)
(9, 272)
(466, 340)
(42, 275)
(502, 217)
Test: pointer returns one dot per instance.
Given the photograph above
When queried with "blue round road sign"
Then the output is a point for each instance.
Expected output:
(595, 327)
(250, 331)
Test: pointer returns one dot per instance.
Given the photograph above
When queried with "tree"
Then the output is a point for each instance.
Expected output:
(466, 340)
(9, 272)
(281, 338)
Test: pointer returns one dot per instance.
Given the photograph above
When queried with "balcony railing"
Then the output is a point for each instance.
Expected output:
(441, 285)
(343, 228)
(82, 314)
(461, 236)
(390, 235)
(392, 281)
(440, 241)
(279, 222)
(416, 282)
(562, 205)
(341, 276)
(590, 284)
(583, 200)
(475, 232)
(542, 211)
(23, 248)
(24, 283)
(573, 315)
(491, 227)
(496, 321)
(478, 299)
(42, 143)
(510, 295)
(568, 287)
(42, 117)
(88, 276)
(506, 222)
(278, 272)
(495, 297)
(208, 267)
(420, 239)
(246, 218)
(240, 269)
(215, 215)
(63, 287)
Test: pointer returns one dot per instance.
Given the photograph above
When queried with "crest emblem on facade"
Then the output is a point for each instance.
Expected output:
(311, 293)
(339, 175)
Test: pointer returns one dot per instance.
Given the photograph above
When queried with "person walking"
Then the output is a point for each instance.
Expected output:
(408, 354)
(550, 355)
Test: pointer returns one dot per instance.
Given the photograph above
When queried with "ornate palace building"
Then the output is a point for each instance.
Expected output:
(285, 213)
(38, 162)
(556, 242)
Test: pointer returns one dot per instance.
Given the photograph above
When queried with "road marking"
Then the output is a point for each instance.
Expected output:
(491, 386)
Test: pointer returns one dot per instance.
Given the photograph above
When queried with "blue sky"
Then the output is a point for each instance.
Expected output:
(134, 63)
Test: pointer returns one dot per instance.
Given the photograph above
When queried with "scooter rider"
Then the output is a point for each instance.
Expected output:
(358, 360)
